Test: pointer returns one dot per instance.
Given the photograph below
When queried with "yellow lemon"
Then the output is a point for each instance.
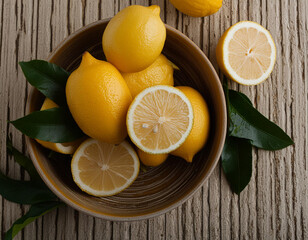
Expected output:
(103, 169)
(151, 160)
(201, 126)
(159, 119)
(64, 148)
(98, 98)
(159, 73)
(197, 8)
(246, 53)
(134, 38)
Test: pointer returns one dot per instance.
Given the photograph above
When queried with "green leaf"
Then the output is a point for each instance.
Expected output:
(22, 160)
(250, 124)
(236, 160)
(226, 91)
(244, 96)
(35, 211)
(48, 78)
(52, 125)
(24, 192)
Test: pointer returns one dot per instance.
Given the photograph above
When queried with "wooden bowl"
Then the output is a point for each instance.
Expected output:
(159, 189)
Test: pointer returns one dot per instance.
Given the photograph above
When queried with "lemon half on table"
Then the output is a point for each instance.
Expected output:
(246, 53)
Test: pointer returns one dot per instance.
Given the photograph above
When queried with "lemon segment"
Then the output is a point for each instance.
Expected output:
(102, 169)
(159, 119)
(159, 73)
(246, 53)
(64, 148)
(134, 38)
(201, 126)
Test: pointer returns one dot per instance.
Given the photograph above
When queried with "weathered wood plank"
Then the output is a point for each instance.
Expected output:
(229, 202)
(15, 101)
(303, 46)
(296, 103)
(138, 230)
(214, 186)
(156, 228)
(283, 158)
(75, 15)
(247, 201)
(3, 109)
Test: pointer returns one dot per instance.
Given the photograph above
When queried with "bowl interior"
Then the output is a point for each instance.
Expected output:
(158, 189)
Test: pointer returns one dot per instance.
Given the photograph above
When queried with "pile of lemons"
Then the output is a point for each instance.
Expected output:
(128, 106)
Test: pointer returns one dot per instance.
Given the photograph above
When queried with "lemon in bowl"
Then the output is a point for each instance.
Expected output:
(198, 135)
(134, 38)
(246, 53)
(161, 188)
(98, 98)
(158, 73)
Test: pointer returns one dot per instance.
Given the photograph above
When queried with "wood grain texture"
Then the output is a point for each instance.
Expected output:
(273, 206)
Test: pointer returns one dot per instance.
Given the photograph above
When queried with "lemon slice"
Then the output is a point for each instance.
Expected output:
(103, 169)
(246, 53)
(159, 119)
(64, 148)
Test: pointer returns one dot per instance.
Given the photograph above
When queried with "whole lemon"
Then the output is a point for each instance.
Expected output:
(98, 98)
(159, 73)
(197, 8)
(134, 38)
(201, 126)
(151, 160)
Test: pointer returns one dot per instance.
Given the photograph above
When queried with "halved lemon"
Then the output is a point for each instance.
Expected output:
(64, 148)
(103, 169)
(159, 119)
(246, 53)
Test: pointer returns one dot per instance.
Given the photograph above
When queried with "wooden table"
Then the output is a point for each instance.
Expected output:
(273, 206)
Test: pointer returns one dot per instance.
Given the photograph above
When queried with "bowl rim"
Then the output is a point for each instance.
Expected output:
(71, 202)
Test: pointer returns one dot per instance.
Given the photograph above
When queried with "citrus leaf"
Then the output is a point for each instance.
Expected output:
(226, 91)
(35, 211)
(24, 192)
(48, 78)
(23, 161)
(244, 97)
(236, 160)
(250, 124)
(51, 125)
